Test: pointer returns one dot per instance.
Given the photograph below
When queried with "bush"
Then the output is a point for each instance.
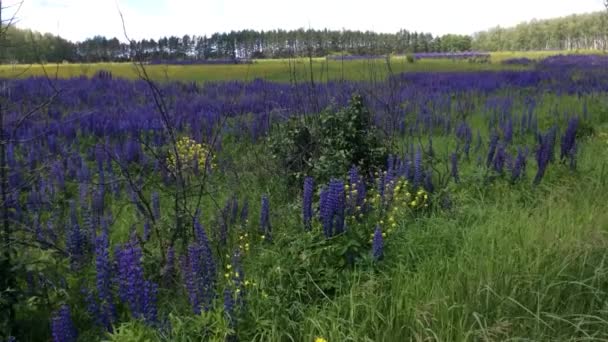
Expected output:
(329, 144)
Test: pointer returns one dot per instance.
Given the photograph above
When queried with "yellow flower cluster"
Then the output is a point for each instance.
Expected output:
(351, 195)
(244, 243)
(189, 152)
(404, 200)
(413, 200)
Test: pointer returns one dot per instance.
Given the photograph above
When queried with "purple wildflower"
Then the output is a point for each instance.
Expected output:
(519, 166)
(500, 159)
(464, 133)
(377, 244)
(568, 145)
(544, 151)
(62, 327)
(139, 294)
(104, 280)
(332, 208)
(418, 169)
(492, 149)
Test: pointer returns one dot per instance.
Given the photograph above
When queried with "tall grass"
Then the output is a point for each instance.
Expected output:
(505, 264)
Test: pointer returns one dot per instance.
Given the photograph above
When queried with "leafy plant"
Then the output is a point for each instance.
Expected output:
(328, 145)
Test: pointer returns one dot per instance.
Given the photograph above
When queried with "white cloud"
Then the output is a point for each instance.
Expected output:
(78, 19)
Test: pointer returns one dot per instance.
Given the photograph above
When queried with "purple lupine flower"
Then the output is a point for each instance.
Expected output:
(325, 212)
(156, 205)
(519, 166)
(206, 277)
(134, 289)
(500, 158)
(190, 269)
(377, 244)
(104, 280)
(357, 191)
(62, 327)
(198, 270)
(418, 169)
(132, 151)
(544, 151)
(84, 175)
(57, 174)
(92, 306)
(332, 208)
(100, 155)
(454, 167)
(337, 197)
(229, 306)
(265, 217)
(492, 149)
(149, 300)
(75, 244)
(73, 213)
(307, 202)
(569, 138)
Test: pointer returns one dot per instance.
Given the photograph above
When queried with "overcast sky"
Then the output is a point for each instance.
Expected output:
(80, 19)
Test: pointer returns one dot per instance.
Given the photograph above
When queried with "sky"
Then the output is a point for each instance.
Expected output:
(77, 20)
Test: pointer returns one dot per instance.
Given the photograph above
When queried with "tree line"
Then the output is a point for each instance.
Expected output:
(574, 32)
(586, 31)
(27, 46)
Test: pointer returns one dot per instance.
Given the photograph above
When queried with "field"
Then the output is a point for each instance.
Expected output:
(430, 205)
(279, 70)
(273, 70)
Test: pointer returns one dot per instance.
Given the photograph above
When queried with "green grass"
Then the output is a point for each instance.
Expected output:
(275, 69)
(508, 263)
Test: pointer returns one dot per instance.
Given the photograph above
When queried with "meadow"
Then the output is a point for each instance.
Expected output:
(279, 70)
(436, 200)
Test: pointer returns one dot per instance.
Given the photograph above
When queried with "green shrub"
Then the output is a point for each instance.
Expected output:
(327, 145)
